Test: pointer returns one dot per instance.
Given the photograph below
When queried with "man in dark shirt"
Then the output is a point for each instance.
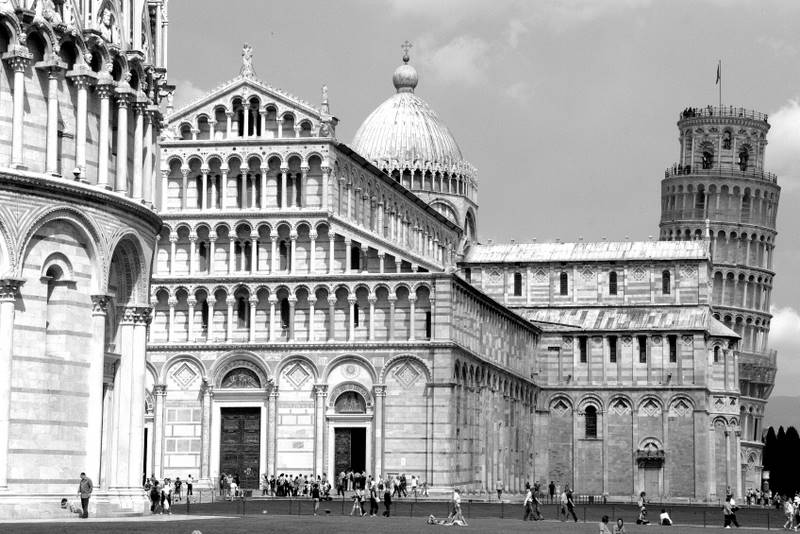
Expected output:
(85, 488)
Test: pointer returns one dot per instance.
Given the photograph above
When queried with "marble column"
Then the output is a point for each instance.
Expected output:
(230, 301)
(212, 241)
(392, 301)
(192, 253)
(321, 391)
(126, 461)
(348, 255)
(159, 411)
(302, 183)
(253, 253)
(191, 302)
(204, 188)
(263, 202)
(224, 196)
(121, 177)
(379, 391)
(53, 73)
(231, 254)
(9, 291)
(312, 326)
(82, 83)
(372, 299)
(351, 335)
(273, 256)
(331, 250)
(412, 301)
(272, 449)
(147, 164)
(173, 240)
(171, 327)
(331, 318)
(292, 254)
(312, 256)
(205, 460)
(273, 330)
(292, 305)
(252, 334)
(19, 63)
(94, 377)
(325, 177)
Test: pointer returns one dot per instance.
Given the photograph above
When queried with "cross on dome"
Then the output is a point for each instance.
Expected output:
(405, 47)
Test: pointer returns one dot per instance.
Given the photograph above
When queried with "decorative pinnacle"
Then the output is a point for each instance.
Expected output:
(405, 47)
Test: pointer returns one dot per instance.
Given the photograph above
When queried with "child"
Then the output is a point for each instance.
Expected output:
(358, 503)
(642, 519)
(620, 527)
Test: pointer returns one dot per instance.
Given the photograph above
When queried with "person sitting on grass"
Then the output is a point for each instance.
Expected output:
(664, 519)
(604, 525)
(619, 528)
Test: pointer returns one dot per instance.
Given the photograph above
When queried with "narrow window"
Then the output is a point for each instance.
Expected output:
(468, 275)
(708, 160)
(355, 258)
(204, 315)
(428, 324)
(564, 280)
(355, 315)
(665, 283)
(241, 312)
(642, 349)
(612, 349)
(673, 349)
(517, 284)
(283, 252)
(202, 252)
(612, 283)
(582, 348)
(285, 313)
(716, 354)
(591, 422)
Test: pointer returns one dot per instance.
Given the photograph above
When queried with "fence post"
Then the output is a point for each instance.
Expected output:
(584, 514)
(411, 513)
(704, 519)
(767, 520)
(342, 504)
(501, 510)
(243, 504)
(614, 513)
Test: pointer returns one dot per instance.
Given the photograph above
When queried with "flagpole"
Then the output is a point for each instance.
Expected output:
(719, 68)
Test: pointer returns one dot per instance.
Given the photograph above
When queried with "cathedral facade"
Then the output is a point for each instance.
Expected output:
(309, 301)
(79, 126)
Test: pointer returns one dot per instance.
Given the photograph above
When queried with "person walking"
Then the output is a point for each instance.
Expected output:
(387, 500)
(537, 512)
(414, 485)
(729, 513)
(373, 499)
(189, 484)
(499, 488)
(562, 510)
(571, 505)
(85, 488)
(315, 497)
(527, 504)
(552, 489)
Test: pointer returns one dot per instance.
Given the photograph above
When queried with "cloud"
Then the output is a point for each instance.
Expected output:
(778, 46)
(462, 60)
(782, 151)
(186, 93)
(515, 30)
(784, 336)
(520, 92)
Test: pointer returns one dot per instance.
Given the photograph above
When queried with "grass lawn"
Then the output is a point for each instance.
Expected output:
(327, 524)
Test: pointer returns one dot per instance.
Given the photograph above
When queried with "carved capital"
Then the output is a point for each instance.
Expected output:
(9, 288)
(379, 390)
(321, 390)
(160, 390)
(18, 60)
(100, 304)
(136, 315)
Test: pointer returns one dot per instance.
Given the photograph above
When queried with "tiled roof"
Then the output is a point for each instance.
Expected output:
(642, 319)
(588, 251)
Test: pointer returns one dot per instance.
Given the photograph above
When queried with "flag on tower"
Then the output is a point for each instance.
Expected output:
(719, 72)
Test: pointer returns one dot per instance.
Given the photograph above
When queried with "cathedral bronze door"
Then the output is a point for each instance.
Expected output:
(350, 449)
(240, 443)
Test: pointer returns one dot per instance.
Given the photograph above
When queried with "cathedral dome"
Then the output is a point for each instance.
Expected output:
(405, 133)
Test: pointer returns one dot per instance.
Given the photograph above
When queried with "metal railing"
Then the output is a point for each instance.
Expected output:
(723, 111)
(717, 170)
(588, 508)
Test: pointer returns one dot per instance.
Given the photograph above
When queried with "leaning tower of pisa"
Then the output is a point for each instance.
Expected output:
(720, 182)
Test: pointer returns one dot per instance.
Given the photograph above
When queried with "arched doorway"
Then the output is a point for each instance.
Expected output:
(350, 422)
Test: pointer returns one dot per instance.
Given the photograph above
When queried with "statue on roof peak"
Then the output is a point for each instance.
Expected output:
(247, 62)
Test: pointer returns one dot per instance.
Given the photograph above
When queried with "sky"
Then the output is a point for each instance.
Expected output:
(568, 108)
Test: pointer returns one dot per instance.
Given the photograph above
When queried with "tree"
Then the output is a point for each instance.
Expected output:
(769, 460)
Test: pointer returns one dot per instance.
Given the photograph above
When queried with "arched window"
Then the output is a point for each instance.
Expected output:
(716, 354)
(564, 283)
(350, 402)
(283, 252)
(355, 314)
(591, 422)
(202, 252)
(726, 140)
(612, 283)
(285, 313)
(241, 313)
(744, 155)
(665, 283)
(708, 160)
(517, 284)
